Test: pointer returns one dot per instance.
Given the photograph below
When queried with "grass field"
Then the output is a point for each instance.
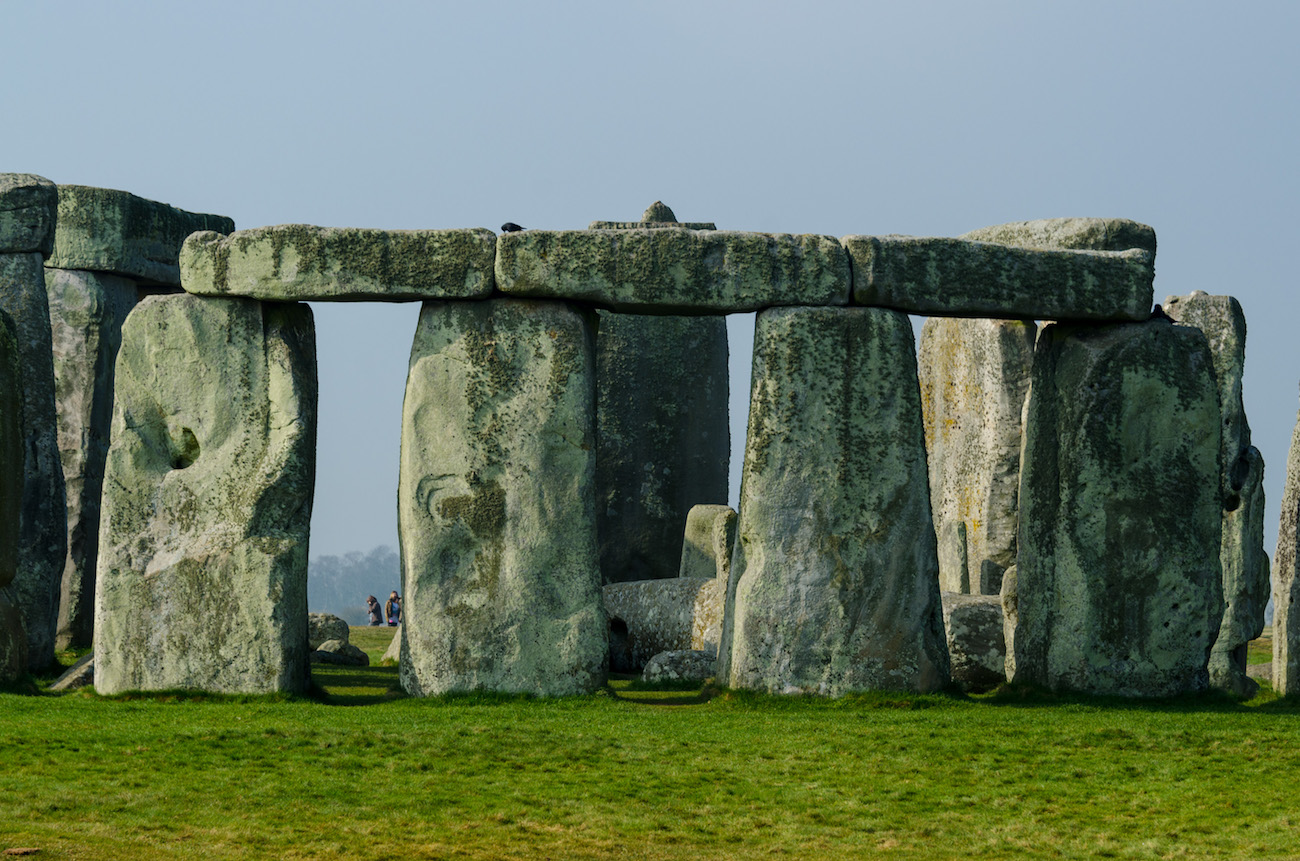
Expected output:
(359, 771)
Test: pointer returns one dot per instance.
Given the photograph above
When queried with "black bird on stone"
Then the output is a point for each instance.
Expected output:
(510, 227)
(1158, 313)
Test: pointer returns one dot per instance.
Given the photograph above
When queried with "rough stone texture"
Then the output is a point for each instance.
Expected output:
(707, 542)
(322, 627)
(87, 310)
(13, 638)
(496, 502)
(1010, 619)
(11, 449)
(975, 640)
(1286, 574)
(1245, 564)
(303, 262)
(1084, 234)
(974, 377)
(1119, 583)
(339, 652)
(79, 675)
(678, 666)
(42, 543)
(28, 209)
(674, 271)
(963, 278)
(838, 580)
(652, 616)
(394, 650)
(663, 439)
(202, 578)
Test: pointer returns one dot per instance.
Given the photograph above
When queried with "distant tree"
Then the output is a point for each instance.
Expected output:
(340, 584)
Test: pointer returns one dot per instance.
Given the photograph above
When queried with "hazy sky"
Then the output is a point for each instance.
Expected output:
(836, 118)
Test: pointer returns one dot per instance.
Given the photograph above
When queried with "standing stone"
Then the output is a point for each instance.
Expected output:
(87, 310)
(496, 504)
(976, 643)
(838, 581)
(202, 578)
(13, 637)
(708, 541)
(974, 377)
(42, 543)
(1286, 564)
(1119, 585)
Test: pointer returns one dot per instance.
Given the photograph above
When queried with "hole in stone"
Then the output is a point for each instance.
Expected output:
(1232, 503)
(186, 450)
(620, 647)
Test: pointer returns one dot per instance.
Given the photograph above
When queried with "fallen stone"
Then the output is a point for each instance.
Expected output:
(1119, 582)
(838, 584)
(974, 377)
(302, 262)
(114, 231)
(975, 640)
(1083, 234)
(11, 450)
(1286, 574)
(13, 638)
(496, 502)
(79, 675)
(28, 210)
(679, 666)
(674, 271)
(202, 578)
(647, 617)
(43, 521)
(962, 278)
(707, 542)
(87, 310)
(322, 627)
(339, 652)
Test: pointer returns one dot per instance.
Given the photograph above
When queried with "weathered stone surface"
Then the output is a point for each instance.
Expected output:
(322, 627)
(974, 377)
(652, 616)
(1119, 583)
(707, 543)
(1286, 576)
(42, 542)
(496, 502)
(28, 209)
(339, 652)
(1245, 565)
(13, 638)
(394, 651)
(79, 675)
(663, 440)
(202, 578)
(656, 215)
(963, 278)
(87, 310)
(115, 231)
(674, 271)
(1010, 619)
(1084, 234)
(838, 582)
(679, 666)
(976, 644)
(11, 449)
(304, 262)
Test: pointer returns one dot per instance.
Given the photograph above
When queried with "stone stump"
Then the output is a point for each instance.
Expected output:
(838, 586)
(1118, 579)
(976, 642)
(707, 542)
(202, 573)
(1286, 565)
(496, 502)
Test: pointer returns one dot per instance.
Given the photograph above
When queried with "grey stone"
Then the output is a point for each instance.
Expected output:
(202, 577)
(838, 580)
(87, 310)
(974, 377)
(964, 278)
(11, 450)
(663, 439)
(322, 627)
(679, 666)
(13, 638)
(43, 522)
(339, 652)
(28, 210)
(115, 231)
(1119, 582)
(656, 215)
(496, 502)
(652, 616)
(304, 262)
(394, 651)
(975, 640)
(673, 270)
(708, 541)
(79, 675)
(1010, 619)
(1084, 234)
(1286, 577)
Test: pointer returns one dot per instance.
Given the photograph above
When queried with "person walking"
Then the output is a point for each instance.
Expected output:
(393, 609)
(375, 611)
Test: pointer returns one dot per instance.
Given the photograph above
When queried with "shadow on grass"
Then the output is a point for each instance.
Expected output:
(354, 686)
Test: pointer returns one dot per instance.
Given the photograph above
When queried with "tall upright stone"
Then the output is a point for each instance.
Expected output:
(1286, 567)
(202, 575)
(1119, 584)
(662, 433)
(838, 585)
(28, 210)
(1245, 564)
(974, 377)
(496, 503)
(13, 638)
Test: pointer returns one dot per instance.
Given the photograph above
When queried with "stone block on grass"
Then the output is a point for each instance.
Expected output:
(976, 643)
(651, 616)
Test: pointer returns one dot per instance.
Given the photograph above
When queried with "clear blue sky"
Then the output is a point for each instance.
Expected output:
(836, 118)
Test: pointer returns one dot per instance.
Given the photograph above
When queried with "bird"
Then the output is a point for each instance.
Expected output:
(510, 227)
(1158, 313)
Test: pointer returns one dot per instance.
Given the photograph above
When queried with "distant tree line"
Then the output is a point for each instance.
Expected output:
(340, 584)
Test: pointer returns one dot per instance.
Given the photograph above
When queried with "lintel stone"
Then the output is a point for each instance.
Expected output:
(1084, 234)
(28, 207)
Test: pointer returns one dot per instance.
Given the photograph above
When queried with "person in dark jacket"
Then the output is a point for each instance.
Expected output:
(393, 609)
(373, 608)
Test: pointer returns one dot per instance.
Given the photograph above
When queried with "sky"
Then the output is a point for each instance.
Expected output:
(836, 118)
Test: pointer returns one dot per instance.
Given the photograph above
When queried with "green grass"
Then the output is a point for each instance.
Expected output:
(645, 773)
